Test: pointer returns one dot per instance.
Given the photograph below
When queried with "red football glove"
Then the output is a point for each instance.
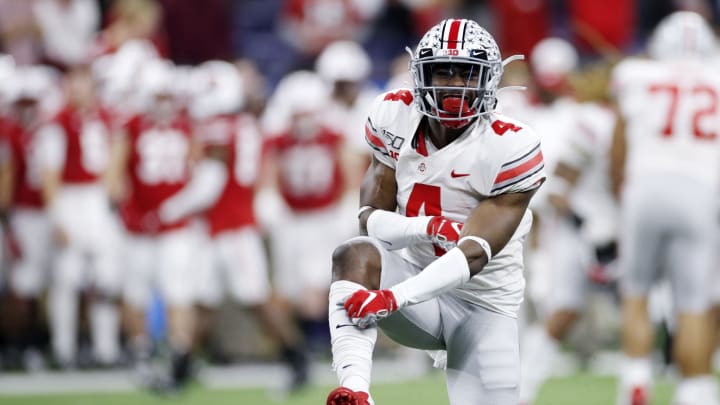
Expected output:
(444, 232)
(366, 307)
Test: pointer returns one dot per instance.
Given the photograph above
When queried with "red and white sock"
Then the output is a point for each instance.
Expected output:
(635, 373)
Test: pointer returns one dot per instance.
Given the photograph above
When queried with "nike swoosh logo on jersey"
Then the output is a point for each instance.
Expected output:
(368, 300)
(342, 325)
(456, 175)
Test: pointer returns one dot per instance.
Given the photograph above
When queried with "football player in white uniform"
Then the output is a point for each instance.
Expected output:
(581, 238)
(668, 152)
(345, 66)
(444, 207)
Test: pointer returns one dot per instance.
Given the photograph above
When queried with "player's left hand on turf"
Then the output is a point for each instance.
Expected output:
(366, 307)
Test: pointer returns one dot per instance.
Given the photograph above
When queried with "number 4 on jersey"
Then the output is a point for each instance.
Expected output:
(427, 197)
(401, 95)
(500, 127)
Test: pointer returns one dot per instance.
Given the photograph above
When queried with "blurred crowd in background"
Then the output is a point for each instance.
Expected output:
(161, 159)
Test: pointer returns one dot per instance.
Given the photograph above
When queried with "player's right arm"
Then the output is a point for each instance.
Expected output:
(624, 74)
(617, 157)
(209, 177)
(378, 192)
(115, 177)
(7, 171)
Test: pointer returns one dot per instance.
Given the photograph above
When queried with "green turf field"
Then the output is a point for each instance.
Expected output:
(576, 390)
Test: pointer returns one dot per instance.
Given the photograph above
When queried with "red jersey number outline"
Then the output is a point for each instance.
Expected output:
(401, 95)
(673, 90)
(501, 127)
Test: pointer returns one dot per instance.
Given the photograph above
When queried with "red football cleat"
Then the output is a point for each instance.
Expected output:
(639, 396)
(346, 396)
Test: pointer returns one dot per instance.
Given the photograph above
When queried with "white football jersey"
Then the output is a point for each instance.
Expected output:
(346, 120)
(588, 150)
(492, 157)
(671, 111)
(553, 123)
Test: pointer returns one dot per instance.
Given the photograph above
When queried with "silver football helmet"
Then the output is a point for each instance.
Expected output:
(456, 71)
(682, 34)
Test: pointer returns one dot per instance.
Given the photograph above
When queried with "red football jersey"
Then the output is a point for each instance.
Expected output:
(241, 137)
(87, 144)
(158, 167)
(309, 169)
(25, 153)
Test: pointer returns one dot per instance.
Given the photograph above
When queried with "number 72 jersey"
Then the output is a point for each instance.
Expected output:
(671, 114)
(492, 157)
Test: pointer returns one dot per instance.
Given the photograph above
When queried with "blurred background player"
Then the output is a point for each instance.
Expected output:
(308, 165)
(222, 189)
(7, 69)
(549, 107)
(75, 145)
(583, 233)
(345, 67)
(153, 161)
(33, 98)
(67, 29)
(665, 162)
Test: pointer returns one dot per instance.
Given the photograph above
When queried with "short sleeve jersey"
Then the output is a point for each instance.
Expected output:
(27, 161)
(492, 157)
(86, 141)
(588, 150)
(242, 139)
(670, 110)
(158, 168)
(310, 175)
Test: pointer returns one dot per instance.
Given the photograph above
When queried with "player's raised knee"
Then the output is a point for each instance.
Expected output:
(356, 260)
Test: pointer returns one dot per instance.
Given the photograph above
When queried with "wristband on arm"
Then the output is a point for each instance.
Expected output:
(480, 241)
